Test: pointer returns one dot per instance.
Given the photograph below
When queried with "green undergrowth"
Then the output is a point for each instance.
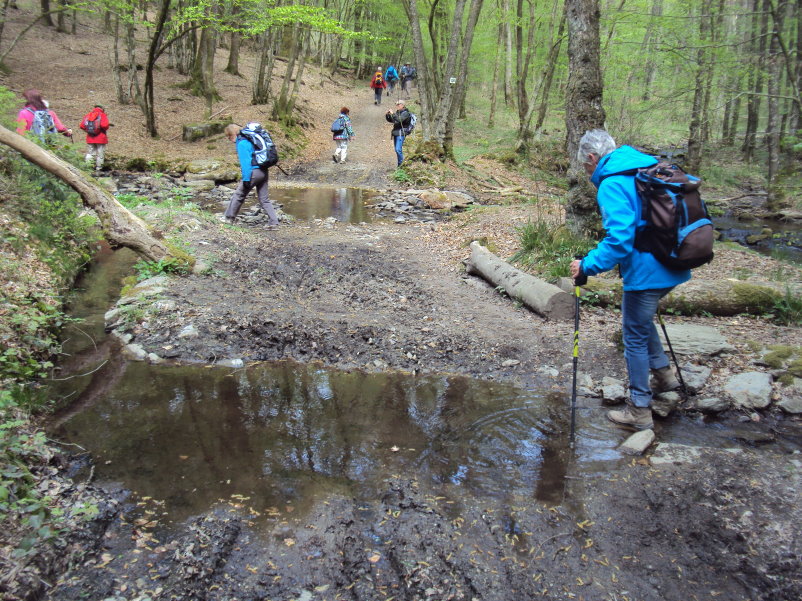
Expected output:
(548, 249)
(46, 238)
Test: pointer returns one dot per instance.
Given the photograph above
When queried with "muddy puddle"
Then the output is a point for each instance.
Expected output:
(294, 434)
(347, 205)
(288, 434)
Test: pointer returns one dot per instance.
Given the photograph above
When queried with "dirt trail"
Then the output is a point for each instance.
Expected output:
(723, 526)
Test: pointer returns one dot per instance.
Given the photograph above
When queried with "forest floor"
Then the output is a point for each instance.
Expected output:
(385, 296)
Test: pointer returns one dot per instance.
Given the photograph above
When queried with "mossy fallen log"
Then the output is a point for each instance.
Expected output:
(541, 297)
(718, 297)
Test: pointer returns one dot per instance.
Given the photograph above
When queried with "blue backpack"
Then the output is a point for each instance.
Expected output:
(265, 154)
(42, 123)
(338, 126)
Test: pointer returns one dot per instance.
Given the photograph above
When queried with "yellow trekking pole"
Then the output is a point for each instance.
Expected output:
(581, 280)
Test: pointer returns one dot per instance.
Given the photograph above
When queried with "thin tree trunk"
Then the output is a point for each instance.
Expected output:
(548, 75)
(703, 76)
(494, 88)
(120, 226)
(583, 110)
(281, 105)
(508, 96)
(760, 33)
(264, 72)
(773, 102)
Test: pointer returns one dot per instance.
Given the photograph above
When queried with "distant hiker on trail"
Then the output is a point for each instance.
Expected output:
(252, 176)
(646, 280)
(391, 75)
(35, 116)
(96, 124)
(401, 120)
(342, 132)
(379, 85)
(408, 73)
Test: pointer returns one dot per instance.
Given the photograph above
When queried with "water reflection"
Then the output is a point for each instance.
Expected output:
(284, 433)
(306, 204)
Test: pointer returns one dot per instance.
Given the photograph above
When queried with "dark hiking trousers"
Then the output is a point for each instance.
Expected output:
(259, 180)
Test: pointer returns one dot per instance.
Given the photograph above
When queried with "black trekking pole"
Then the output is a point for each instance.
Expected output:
(673, 356)
(577, 282)
(282, 170)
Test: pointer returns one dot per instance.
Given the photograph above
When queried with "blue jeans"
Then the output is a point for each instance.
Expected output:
(398, 144)
(642, 347)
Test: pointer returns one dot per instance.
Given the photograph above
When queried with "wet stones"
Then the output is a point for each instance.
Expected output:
(419, 205)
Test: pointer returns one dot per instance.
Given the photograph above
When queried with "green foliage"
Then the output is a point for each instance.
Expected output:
(400, 175)
(170, 265)
(548, 248)
(787, 309)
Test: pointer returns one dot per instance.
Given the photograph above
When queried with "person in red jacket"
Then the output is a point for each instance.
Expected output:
(95, 124)
(379, 85)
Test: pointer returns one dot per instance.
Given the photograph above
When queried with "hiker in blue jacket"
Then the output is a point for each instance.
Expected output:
(391, 75)
(341, 138)
(646, 280)
(252, 176)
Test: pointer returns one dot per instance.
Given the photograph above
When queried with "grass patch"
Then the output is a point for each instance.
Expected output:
(549, 249)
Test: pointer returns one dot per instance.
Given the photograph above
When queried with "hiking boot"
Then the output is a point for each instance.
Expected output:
(334, 157)
(664, 380)
(639, 418)
(228, 220)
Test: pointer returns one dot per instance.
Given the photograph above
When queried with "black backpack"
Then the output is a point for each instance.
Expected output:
(678, 230)
(265, 154)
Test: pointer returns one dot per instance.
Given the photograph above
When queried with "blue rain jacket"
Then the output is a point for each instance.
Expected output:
(245, 154)
(621, 217)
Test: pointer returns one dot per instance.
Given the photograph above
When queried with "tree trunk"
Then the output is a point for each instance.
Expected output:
(548, 75)
(122, 96)
(280, 107)
(494, 87)
(773, 102)
(760, 33)
(153, 55)
(424, 75)
(508, 97)
(583, 110)
(541, 297)
(45, 11)
(703, 77)
(121, 227)
(233, 54)
(3, 12)
(264, 72)
(461, 86)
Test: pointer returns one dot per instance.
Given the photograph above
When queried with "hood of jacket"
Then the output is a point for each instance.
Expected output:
(621, 159)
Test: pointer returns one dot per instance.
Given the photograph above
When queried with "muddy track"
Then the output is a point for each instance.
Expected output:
(378, 297)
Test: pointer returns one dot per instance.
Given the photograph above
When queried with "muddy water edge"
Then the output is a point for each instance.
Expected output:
(293, 481)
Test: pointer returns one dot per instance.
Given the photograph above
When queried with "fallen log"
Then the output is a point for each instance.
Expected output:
(717, 297)
(541, 297)
(120, 226)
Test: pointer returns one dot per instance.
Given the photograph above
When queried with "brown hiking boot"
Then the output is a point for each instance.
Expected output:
(639, 418)
(664, 380)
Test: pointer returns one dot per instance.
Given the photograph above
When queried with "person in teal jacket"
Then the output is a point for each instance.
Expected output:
(646, 280)
(252, 176)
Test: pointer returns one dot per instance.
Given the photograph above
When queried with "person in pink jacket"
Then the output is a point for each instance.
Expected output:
(35, 116)
(96, 124)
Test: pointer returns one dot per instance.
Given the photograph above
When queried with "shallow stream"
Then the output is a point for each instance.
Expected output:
(287, 433)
